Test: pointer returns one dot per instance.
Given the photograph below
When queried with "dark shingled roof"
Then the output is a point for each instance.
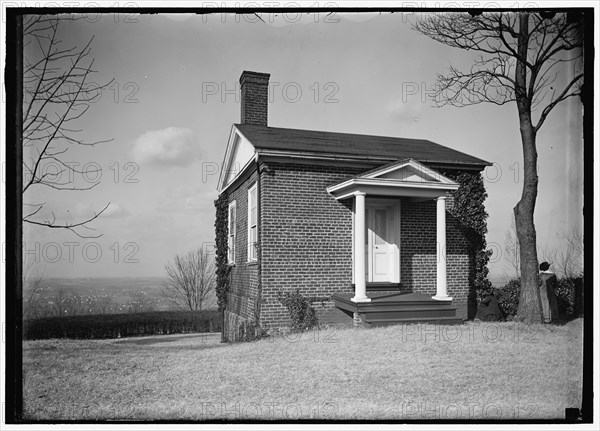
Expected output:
(368, 146)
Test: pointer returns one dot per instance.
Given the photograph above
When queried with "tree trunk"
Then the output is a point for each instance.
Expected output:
(529, 301)
(530, 307)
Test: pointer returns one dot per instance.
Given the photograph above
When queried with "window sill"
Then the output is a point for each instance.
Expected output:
(252, 262)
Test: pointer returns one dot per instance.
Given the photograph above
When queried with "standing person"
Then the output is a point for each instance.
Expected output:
(548, 285)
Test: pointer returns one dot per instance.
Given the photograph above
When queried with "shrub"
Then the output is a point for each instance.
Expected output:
(303, 315)
(121, 325)
(569, 297)
(508, 297)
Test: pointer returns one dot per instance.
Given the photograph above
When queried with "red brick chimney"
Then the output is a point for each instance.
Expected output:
(255, 97)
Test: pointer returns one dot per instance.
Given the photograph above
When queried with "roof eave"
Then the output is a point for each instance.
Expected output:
(349, 187)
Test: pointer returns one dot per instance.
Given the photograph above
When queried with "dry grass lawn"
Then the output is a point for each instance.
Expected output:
(472, 371)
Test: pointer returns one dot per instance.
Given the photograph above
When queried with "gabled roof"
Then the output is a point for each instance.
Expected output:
(347, 144)
(401, 178)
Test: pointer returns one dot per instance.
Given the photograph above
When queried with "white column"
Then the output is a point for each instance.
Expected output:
(441, 294)
(360, 286)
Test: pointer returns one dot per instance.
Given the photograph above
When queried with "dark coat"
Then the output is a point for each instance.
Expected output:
(488, 310)
(548, 286)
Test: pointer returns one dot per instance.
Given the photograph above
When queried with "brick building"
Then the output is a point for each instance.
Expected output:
(304, 204)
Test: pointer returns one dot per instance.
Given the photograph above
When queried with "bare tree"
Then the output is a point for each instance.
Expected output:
(34, 304)
(56, 93)
(511, 251)
(58, 304)
(520, 56)
(567, 259)
(103, 304)
(73, 304)
(191, 277)
(140, 302)
(33, 285)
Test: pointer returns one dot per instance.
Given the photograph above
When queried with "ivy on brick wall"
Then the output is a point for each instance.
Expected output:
(223, 267)
(302, 313)
(470, 211)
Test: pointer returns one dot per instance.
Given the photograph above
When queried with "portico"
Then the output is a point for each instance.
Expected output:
(377, 238)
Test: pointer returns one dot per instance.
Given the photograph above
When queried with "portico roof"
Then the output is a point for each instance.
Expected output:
(405, 177)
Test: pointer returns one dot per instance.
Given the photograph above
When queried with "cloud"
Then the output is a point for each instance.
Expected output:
(85, 211)
(115, 210)
(173, 146)
(407, 109)
(187, 198)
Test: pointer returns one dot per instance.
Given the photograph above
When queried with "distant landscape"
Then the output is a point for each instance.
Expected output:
(100, 295)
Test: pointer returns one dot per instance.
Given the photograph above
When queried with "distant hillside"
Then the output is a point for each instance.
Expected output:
(111, 294)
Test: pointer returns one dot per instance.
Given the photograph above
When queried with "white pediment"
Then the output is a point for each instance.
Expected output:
(404, 178)
(408, 173)
(239, 154)
(408, 170)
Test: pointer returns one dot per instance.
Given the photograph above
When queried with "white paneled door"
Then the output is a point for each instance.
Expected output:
(382, 240)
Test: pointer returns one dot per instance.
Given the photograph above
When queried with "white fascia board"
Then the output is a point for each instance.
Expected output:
(241, 172)
(340, 186)
(390, 187)
(227, 160)
(392, 182)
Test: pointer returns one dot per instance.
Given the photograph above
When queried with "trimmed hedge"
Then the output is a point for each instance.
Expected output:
(569, 297)
(122, 325)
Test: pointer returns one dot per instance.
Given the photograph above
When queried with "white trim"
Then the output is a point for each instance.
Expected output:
(373, 185)
(389, 187)
(399, 240)
(226, 157)
(353, 240)
(230, 253)
(441, 252)
(227, 160)
(392, 207)
(391, 182)
(249, 247)
(360, 286)
(438, 177)
(244, 169)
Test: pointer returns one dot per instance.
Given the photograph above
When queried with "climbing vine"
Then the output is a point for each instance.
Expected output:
(223, 267)
(470, 211)
(302, 313)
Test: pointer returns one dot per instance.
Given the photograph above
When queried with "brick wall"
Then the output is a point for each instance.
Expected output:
(243, 290)
(418, 253)
(306, 236)
(306, 243)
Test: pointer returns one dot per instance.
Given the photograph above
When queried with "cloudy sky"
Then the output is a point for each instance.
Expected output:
(174, 96)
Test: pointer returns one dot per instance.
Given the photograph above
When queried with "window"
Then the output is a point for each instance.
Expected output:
(231, 233)
(252, 228)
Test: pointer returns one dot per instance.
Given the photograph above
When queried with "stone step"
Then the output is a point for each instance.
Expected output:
(410, 313)
(402, 320)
